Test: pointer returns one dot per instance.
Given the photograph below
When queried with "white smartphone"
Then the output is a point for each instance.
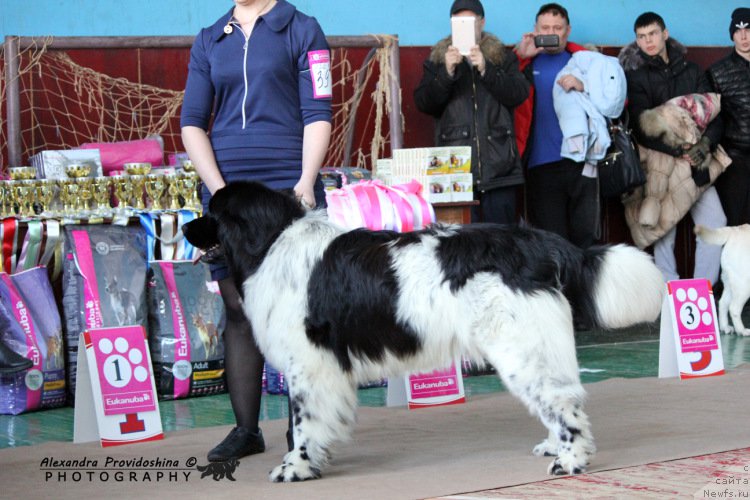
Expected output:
(463, 34)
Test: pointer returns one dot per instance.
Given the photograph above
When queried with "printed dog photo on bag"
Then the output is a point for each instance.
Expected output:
(333, 308)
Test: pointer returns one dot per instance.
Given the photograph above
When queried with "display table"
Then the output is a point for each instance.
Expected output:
(455, 212)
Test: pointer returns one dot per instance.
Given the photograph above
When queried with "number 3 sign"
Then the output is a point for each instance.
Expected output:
(689, 344)
(115, 378)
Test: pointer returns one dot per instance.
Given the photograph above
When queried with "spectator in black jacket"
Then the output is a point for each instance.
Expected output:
(656, 70)
(731, 78)
(472, 99)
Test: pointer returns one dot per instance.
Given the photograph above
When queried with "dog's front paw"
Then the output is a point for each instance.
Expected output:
(745, 332)
(560, 467)
(289, 472)
(727, 329)
(545, 449)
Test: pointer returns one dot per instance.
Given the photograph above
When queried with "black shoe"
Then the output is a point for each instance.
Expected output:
(239, 443)
(11, 361)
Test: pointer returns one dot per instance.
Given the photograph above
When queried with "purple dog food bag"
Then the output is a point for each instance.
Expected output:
(30, 326)
(104, 282)
(186, 320)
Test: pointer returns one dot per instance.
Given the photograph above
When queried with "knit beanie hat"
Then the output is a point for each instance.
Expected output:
(740, 19)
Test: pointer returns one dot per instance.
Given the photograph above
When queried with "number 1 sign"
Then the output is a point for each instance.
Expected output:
(116, 388)
(689, 345)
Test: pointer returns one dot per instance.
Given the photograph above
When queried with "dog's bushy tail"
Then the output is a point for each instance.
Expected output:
(718, 236)
(621, 287)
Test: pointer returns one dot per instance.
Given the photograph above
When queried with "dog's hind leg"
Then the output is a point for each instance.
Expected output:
(724, 301)
(535, 356)
(740, 294)
(323, 403)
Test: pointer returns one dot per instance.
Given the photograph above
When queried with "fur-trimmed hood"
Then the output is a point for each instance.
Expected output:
(632, 58)
(492, 48)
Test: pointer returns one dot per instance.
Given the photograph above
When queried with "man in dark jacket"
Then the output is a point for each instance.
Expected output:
(472, 99)
(657, 71)
(731, 78)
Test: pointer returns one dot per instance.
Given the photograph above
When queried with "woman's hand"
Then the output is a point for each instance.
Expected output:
(305, 193)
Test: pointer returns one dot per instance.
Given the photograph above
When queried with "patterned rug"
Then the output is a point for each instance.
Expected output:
(719, 475)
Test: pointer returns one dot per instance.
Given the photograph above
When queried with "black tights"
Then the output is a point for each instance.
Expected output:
(243, 360)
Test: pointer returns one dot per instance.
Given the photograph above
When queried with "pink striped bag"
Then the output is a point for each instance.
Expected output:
(373, 205)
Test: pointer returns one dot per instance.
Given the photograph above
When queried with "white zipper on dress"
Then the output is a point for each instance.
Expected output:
(244, 75)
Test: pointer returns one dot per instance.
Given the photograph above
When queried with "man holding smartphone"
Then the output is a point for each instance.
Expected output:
(472, 98)
(560, 198)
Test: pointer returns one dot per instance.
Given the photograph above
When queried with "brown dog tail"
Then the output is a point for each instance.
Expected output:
(718, 236)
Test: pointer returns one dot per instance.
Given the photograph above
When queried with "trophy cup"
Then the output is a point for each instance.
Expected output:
(22, 173)
(173, 191)
(137, 173)
(45, 193)
(100, 202)
(6, 199)
(137, 183)
(188, 166)
(155, 187)
(188, 186)
(137, 168)
(25, 194)
(79, 190)
(123, 192)
(23, 188)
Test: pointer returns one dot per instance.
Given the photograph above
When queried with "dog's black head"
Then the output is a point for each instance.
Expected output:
(244, 219)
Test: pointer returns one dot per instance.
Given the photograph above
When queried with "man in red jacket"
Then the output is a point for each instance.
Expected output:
(561, 197)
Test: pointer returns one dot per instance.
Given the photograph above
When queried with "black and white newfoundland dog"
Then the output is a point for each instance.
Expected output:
(335, 308)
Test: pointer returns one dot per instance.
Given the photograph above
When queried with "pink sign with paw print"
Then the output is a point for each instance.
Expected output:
(124, 374)
(115, 392)
(689, 343)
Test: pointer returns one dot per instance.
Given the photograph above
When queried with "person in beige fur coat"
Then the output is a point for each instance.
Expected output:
(670, 190)
(678, 144)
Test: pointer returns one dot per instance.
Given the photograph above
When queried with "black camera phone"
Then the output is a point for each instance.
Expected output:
(546, 41)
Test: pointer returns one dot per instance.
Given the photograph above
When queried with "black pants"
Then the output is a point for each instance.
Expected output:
(563, 201)
(497, 206)
(733, 187)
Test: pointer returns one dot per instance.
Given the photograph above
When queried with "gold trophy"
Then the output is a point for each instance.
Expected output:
(155, 187)
(101, 205)
(6, 199)
(173, 191)
(188, 166)
(79, 190)
(64, 195)
(25, 194)
(137, 173)
(138, 182)
(188, 186)
(137, 168)
(22, 173)
(123, 192)
(45, 193)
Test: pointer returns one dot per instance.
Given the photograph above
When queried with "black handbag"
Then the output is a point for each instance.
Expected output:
(620, 170)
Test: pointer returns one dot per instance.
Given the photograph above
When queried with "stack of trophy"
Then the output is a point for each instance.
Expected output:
(81, 196)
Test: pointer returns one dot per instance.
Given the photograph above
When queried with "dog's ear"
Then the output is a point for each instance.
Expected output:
(252, 216)
(201, 232)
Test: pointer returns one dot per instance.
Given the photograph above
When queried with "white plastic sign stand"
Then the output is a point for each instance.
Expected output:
(115, 391)
(689, 344)
(421, 390)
